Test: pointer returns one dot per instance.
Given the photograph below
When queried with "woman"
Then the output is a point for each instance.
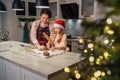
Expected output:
(39, 27)
(60, 39)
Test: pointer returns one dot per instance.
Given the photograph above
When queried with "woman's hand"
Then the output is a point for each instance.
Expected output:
(40, 47)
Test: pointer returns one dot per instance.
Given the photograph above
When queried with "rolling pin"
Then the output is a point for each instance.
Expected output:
(48, 38)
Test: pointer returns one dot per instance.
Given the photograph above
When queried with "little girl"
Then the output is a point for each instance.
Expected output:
(60, 39)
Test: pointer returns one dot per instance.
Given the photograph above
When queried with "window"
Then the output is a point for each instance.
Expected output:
(21, 12)
(32, 9)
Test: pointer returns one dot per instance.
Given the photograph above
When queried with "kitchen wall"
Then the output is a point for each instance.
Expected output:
(73, 27)
(0, 19)
(10, 20)
(0, 24)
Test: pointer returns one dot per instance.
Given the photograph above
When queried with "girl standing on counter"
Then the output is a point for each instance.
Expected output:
(60, 39)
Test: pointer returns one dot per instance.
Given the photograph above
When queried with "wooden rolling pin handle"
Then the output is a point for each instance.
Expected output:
(48, 38)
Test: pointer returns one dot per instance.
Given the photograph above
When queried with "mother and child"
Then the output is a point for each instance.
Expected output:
(55, 33)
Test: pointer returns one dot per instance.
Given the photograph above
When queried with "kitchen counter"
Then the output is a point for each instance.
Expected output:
(73, 44)
(72, 39)
(45, 67)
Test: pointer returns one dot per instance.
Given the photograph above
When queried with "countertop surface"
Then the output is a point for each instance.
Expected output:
(45, 67)
(72, 39)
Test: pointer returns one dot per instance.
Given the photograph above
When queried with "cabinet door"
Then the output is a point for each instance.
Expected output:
(27, 75)
(1, 70)
(74, 46)
(55, 8)
(71, 1)
(87, 8)
(11, 71)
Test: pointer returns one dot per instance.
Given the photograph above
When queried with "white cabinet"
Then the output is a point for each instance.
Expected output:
(87, 8)
(71, 1)
(74, 45)
(27, 75)
(1, 69)
(0, 20)
(55, 8)
(11, 71)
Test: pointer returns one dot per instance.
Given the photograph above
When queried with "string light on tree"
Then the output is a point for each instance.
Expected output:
(77, 75)
(113, 40)
(106, 29)
(110, 32)
(91, 59)
(76, 71)
(106, 41)
(93, 78)
(81, 40)
(70, 79)
(109, 21)
(106, 54)
(97, 73)
(98, 61)
(67, 69)
(113, 48)
(91, 49)
(103, 74)
(100, 57)
(90, 45)
(109, 72)
(116, 23)
(85, 50)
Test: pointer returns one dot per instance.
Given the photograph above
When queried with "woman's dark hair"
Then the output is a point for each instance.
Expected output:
(46, 11)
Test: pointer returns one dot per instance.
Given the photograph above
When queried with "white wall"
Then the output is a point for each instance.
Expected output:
(10, 19)
(101, 11)
(0, 19)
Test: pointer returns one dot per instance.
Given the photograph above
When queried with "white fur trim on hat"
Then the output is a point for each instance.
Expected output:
(58, 26)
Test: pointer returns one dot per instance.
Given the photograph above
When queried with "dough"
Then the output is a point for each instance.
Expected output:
(45, 53)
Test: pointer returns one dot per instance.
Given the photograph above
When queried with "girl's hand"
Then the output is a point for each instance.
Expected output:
(52, 48)
(48, 45)
(42, 47)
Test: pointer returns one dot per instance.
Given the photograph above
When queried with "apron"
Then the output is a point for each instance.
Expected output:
(41, 39)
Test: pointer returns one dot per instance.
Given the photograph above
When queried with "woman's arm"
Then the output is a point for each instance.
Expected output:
(33, 32)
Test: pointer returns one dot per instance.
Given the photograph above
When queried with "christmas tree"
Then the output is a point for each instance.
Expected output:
(101, 41)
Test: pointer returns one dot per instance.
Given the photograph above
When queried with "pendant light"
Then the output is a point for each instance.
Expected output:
(2, 8)
(17, 5)
(42, 4)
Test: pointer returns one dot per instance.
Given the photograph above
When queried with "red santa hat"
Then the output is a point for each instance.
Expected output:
(59, 24)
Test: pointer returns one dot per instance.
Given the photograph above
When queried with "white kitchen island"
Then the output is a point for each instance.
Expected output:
(15, 64)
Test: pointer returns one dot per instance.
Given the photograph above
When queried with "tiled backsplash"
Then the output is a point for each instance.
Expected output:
(73, 27)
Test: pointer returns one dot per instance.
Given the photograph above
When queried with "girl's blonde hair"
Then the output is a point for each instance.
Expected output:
(60, 35)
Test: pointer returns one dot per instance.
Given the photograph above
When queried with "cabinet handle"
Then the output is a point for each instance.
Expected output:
(24, 77)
